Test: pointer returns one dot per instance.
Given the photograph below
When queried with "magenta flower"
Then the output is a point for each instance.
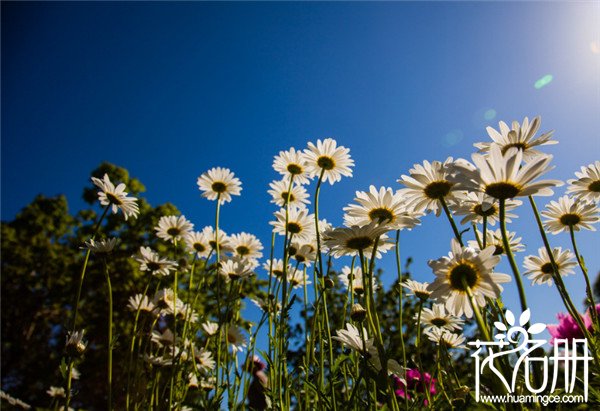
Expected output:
(567, 327)
(415, 382)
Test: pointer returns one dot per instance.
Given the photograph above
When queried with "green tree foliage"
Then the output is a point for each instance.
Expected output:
(41, 264)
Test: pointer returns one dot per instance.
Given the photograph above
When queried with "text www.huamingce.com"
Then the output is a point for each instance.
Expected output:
(542, 399)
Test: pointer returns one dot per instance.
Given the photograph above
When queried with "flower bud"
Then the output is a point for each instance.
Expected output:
(358, 313)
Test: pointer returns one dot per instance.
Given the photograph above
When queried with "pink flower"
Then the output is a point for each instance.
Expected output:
(567, 327)
(415, 381)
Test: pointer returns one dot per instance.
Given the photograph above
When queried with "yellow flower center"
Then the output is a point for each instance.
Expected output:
(294, 228)
(547, 268)
(521, 146)
(284, 196)
(219, 187)
(503, 190)
(439, 322)
(294, 169)
(463, 271)
(326, 163)
(359, 243)
(438, 189)
(478, 209)
(173, 231)
(570, 219)
(242, 250)
(113, 199)
(595, 186)
(380, 215)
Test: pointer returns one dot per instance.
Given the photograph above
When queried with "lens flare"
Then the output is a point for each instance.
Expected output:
(544, 81)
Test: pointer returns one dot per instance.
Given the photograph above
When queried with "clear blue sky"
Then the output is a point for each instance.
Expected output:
(171, 90)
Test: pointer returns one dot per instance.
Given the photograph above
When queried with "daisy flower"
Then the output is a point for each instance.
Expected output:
(300, 224)
(303, 253)
(426, 185)
(277, 268)
(266, 305)
(437, 317)
(475, 268)
(587, 185)
(502, 176)
(219, 183)
(104, 246)
(198, 243)
(162, 339)
(204, 360)
(352, 338)
(150, 261)
(520, 136)
(75, 345)
(351, 241)
(210, 327)
(419, 290)
(246, 246)
(539, 267)
(297, 195)
(292, 163)
(475, 206)
(495, 238)
(443, 336)
(165, 300)
(236, 339)
(357, 283)
(224, 241)
(381, 206)
(568, 212)
(297, 278)
(141, 302)
(116, 197)
(172, 228)
(327, 158)
(234, 269)
(56, 392)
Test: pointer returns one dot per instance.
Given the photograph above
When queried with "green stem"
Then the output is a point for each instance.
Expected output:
(560, 285)
(588, 286)
(418, 342)
(110, 334)
(511, 258)
(282, 335)
(78, 299)
(451, 219)
(484, 232)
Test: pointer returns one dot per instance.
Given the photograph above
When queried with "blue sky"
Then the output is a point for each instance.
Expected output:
(171, 90)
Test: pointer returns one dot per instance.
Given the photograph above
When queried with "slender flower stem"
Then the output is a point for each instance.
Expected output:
(418, 345)
(84, 268)
(560, 285)
(451, 219)
(110, 334)
(481, 247)
(78, 299)
(321, 274)
(511, 258)
(282, 335)
(217, 248)
(484, 232)
(475, 307)
(401, 308)
(588, 286)
(132, 345)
